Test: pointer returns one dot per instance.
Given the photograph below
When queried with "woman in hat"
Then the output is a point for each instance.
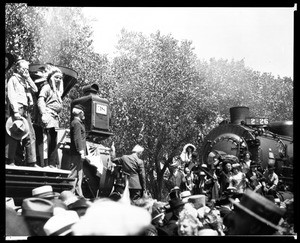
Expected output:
(186, 154)
(49, 106)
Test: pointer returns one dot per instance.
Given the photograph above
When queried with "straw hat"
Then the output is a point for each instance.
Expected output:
(185, 195)
(60, 224)
(198, 200)
(17, 128)
(44, 192)
(260, 208)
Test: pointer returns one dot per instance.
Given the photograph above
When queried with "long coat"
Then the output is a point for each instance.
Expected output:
(136, 170)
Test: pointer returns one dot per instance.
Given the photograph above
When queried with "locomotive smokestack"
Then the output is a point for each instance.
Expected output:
(238, 114)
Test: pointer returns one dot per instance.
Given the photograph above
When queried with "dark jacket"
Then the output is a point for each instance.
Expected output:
(78, 136)
(136, 170)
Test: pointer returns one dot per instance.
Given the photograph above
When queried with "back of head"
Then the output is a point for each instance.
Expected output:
(137, 149)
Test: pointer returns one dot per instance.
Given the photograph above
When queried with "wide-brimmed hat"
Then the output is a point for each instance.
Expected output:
(60, 224)
(17, 128)
(37, 208)
(176, 203)
(137, 148)
(10, 59)
(198, 200)
(260, 208)
(44, 192)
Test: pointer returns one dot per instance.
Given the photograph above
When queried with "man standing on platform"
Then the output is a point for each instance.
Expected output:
(19, 94)
(77, 147)
(134, 166)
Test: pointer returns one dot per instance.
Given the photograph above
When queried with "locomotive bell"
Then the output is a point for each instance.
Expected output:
(97, 111)
(238, 114)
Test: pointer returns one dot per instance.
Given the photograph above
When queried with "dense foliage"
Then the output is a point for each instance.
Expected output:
(162, 96)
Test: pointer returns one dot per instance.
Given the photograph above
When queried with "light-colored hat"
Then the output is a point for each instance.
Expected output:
(107, 217)
(44, 192)
(137, 148)
(10, 202)
(236, 165)
(60, 224)
(68, 197)
(260, 208)
(17, 129)
(198, 200)
(185, 196)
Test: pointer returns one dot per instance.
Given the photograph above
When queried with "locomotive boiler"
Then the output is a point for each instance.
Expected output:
(268, 142)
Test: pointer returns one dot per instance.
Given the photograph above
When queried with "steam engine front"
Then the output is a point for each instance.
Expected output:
(268, 142)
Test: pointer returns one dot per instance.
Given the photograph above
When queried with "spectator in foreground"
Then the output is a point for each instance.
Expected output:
(256, 215)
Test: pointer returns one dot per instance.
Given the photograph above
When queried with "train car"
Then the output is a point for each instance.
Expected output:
(268, 142)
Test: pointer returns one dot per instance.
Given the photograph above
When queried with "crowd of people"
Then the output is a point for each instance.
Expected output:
(225, 196)
(48, 213)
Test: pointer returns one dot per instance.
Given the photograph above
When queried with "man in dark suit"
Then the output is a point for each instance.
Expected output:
(77, 147)
(134, 166)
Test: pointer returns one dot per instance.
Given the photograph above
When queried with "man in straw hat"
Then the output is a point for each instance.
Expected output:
(19, 89)
(255, 215)
(134, 166)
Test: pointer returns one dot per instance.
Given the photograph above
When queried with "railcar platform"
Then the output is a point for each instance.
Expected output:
(20, 180)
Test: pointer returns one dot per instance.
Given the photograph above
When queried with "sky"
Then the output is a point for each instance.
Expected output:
(262, 36)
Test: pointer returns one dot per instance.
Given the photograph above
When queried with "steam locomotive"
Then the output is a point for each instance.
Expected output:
(268, 142)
